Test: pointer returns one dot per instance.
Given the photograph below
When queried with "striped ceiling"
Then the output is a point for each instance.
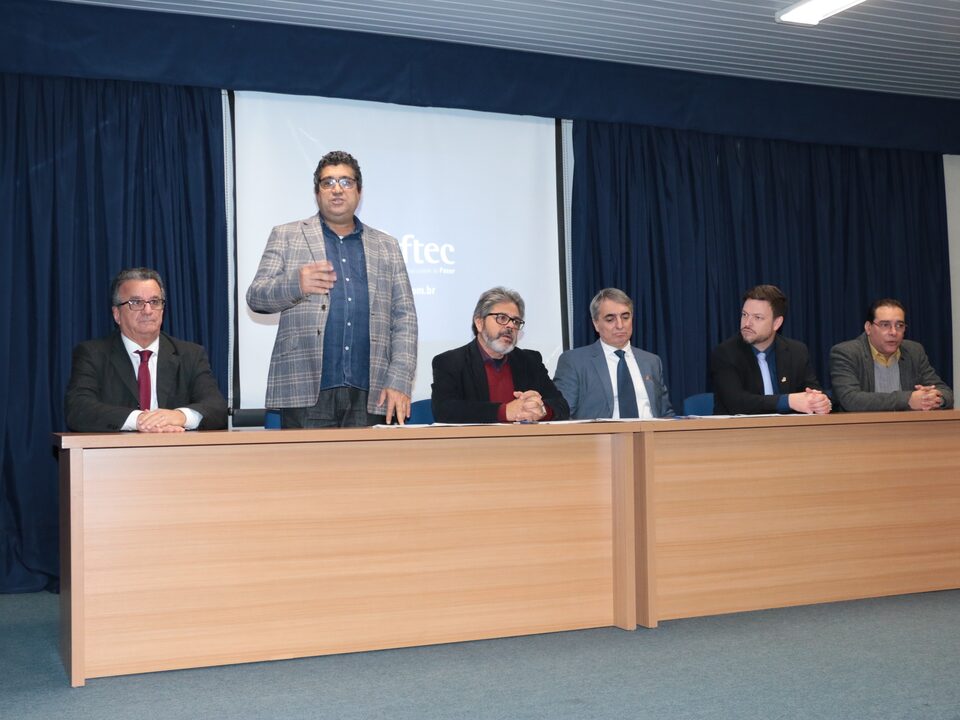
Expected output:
(901, 46)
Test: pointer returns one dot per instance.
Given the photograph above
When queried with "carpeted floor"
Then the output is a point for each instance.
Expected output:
(872, 659)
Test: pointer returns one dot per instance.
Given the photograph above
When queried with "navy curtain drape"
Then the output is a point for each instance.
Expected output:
(95, 176)
(685, 222)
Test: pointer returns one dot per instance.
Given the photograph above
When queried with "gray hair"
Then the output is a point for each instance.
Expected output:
(495, 296)
(618, 296)
(140, 273)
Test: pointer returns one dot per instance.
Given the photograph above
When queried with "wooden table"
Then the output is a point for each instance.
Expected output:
(749, 513)
(224, 547)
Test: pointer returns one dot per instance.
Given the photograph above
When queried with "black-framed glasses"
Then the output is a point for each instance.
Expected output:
(898, 325)
(504, 319)
(138, 303)
(347, 183)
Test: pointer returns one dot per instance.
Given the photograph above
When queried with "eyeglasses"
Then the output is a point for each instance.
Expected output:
(899, 325)
(138, 303)
(503, 319)
(329, 183)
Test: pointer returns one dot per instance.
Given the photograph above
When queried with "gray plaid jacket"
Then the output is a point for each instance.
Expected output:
(295, 366)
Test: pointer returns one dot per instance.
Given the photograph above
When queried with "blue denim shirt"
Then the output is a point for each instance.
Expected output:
(346, 339)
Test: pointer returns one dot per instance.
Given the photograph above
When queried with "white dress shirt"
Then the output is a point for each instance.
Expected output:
(192, 416)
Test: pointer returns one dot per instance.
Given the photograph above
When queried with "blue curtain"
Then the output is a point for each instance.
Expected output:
(685, 222)
(94, 177)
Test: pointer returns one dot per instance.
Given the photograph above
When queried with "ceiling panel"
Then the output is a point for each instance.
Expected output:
(902, 46)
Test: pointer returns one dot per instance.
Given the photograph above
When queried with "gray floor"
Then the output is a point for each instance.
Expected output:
(885, 658)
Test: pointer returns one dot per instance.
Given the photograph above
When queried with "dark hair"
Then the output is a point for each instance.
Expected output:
(337, 157)
(871, 314)
(495, 296)
(772, 294)
(618, 296)
(140, 273)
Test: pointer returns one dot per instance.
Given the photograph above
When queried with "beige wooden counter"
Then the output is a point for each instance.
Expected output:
(225, 547)
(749, 513)
(213, 548)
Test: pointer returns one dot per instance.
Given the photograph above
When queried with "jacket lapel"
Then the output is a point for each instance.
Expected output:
(168, 370)
(598, 364)
(123, 366)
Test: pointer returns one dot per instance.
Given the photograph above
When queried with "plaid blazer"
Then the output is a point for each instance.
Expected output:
(295, 366)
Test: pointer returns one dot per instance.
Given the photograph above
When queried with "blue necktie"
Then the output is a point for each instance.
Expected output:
(765, 373)
(626, 393)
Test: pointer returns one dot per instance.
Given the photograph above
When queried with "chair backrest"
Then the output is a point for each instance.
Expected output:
(699, 404)
(421, 413)
(271, 420)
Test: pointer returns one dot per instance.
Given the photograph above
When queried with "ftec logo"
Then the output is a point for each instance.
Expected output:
(422, 253)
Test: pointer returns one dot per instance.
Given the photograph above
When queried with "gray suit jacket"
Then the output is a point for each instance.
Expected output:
(853, 379)
(584, 380)
(295, 366)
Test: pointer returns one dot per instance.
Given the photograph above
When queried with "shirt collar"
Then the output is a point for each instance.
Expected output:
(610, 349)
(357, 227)
(497, 363)
(132, 347)
(881, 359)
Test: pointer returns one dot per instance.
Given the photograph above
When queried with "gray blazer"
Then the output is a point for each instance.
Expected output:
(295, 366)
(584, 380)
(852, 376)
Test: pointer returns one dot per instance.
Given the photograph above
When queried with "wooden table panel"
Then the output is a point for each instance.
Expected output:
(750, 518)
(219, 554)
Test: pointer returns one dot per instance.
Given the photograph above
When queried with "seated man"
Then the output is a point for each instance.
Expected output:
(760, 371)
(880, 370)
(138, 378)
(611, 378)
(490, 379)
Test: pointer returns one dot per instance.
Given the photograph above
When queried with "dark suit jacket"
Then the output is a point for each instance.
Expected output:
(103, 387)
(854, 381)
(738, 385)
(461, 393)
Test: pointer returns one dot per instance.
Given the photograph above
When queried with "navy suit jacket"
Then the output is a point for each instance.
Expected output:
(103, 387)
(584, 380)
(461, 393)
(738, 385)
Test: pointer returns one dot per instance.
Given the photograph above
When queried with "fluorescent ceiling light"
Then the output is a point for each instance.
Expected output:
(811, 12)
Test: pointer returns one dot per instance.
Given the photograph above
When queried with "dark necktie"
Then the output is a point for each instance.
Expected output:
(626, 393)
(143, 378)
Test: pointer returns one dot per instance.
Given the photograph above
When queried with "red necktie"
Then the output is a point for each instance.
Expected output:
(143, 378)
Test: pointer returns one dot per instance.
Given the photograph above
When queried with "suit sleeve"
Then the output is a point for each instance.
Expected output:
(926, 375)
(205, 395)
(567, 382)
(540, 381)
(403, 328)
(276, 286)
(730, 390)
(85, 412)
(666, 408)
(449, 394)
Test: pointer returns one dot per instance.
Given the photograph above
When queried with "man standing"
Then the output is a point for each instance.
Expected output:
(880, 370)
(760, 371)
(611, 378)
(139, 378)
(346, 349)
(490, 379)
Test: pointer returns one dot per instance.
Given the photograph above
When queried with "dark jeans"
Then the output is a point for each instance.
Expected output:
(336, 407)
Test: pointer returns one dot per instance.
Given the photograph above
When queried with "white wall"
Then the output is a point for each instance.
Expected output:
(951, 171)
